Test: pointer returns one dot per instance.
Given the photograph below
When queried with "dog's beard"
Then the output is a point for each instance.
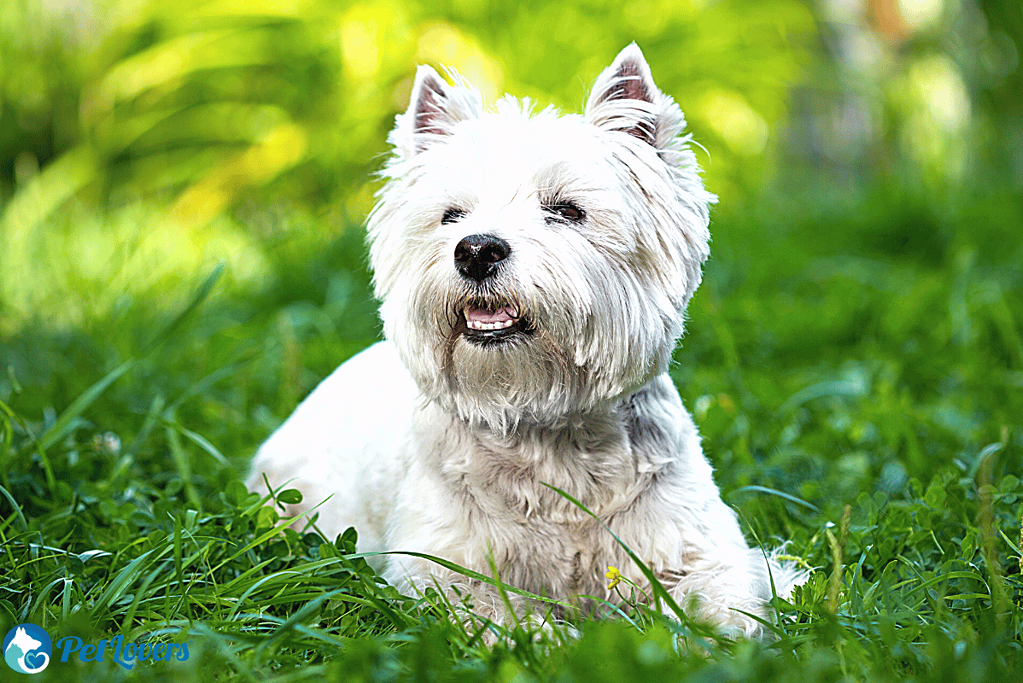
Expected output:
(500, 362)
(508, 383)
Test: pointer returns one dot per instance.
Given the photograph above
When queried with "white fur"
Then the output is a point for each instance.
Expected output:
(428, 442)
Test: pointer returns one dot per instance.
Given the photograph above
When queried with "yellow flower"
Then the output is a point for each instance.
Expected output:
(614, 575)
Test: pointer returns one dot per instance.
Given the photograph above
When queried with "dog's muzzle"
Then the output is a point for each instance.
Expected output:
(486, 320)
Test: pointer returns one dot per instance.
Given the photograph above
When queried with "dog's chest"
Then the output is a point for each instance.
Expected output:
(530, 479)
(536, 542)
(558, 559)
(506, 505)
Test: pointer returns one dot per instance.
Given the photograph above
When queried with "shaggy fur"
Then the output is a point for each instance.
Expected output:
(581, 238)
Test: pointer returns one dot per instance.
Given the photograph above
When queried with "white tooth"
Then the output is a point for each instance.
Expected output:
(482, 326)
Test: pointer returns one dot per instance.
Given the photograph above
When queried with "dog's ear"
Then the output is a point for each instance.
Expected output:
(433, 110)
(427, 104)
(625, 97)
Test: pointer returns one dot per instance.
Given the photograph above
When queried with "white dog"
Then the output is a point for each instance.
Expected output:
(533, 270)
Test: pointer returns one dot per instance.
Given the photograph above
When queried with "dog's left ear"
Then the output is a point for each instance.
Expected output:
(625, 98)
(434, 108)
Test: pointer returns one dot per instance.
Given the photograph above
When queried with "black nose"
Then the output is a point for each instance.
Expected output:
(477, 256)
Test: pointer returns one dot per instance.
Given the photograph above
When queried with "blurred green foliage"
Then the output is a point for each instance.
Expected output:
(141, 141)
(864, 152)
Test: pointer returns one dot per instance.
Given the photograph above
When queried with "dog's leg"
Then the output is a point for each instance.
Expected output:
(715, 577)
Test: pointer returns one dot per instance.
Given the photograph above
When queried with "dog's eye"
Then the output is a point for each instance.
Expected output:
(566, 211)
(452, 216)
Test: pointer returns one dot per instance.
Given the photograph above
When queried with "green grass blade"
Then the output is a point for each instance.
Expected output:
(119, 584)
(465, 571)
(774, 492)
(183, 465)
(66, 422)
(17, 508)
(197, 299)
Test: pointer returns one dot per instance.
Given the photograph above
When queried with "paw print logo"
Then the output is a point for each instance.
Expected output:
(27, 649)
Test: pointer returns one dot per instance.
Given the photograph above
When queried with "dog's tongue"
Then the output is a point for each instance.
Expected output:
(481, 315)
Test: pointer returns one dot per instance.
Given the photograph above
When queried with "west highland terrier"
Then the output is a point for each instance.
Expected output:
(533, 271)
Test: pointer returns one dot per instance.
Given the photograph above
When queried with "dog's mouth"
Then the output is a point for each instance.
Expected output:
(491, 325)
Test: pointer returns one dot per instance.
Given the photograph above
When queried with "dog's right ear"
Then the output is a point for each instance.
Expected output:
(434, 109)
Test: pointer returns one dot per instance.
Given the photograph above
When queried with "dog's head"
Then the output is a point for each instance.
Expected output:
(534, 266)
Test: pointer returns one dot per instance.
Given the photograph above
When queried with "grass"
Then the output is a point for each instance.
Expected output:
(854, 362)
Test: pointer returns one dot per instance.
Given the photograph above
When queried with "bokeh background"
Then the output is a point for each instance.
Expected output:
(860, 317)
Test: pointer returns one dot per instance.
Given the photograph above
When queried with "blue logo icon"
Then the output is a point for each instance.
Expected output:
(27, 649)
